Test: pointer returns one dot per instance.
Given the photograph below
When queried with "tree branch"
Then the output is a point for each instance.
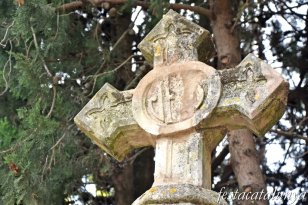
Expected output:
(3, 41)
(70, 6)
(9, 64)
(79, 4)
(289, 135)
(222, 155)
(54, 90)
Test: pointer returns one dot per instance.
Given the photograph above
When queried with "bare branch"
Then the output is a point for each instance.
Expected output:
(108, 72)
(139, 74)
(78, 4)
(53, 101)
(70, 6)
(222, 155)
(114, 70)
(133, 158)
(58, 141)
(290, 135)
(38, 52)
(5, 35)
(9, 64)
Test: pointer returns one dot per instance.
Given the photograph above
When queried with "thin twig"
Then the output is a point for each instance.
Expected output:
(54, 90)
(107, 72)
(125, 32)
(299, 124)
(114, 70)
(52, 158)
(132, 158)
(239, 16)
(6, 33)
(92, 90)
(302, 155)
(7, 150)
(120, 39)
(44, 167)
(38, 52)
(290, 134)
(27, 48)
(138, 75)
(57, 30)
(8, 62)
(58, 142)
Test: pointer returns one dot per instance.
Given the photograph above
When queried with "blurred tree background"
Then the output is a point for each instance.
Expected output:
(56, 54)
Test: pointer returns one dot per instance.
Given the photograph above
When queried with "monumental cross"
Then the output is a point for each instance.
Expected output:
(183, 108)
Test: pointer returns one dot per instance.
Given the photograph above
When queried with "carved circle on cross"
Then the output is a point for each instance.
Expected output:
(176, 97)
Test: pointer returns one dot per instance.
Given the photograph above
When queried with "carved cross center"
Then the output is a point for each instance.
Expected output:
(183, 108)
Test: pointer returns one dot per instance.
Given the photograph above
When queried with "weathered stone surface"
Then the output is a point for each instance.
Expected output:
(184, 158)
(184, 108)
(108, 120)
(176, 97)
(179, 194)
(176, 39)
(254, 96)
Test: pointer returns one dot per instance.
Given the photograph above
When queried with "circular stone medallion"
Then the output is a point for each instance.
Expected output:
(176, 97)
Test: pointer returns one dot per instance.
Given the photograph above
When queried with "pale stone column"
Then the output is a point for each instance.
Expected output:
(185, 158)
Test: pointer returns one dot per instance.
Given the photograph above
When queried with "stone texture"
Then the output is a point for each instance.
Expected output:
(184, 158)
(176, 97)
(175, 39)
(179, 194)
(254, 96)
(108, 120)
(184, 108)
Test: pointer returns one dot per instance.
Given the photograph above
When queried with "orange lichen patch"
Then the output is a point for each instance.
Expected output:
(20, 2)
(172, 190)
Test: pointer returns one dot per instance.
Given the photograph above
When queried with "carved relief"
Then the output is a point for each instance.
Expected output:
(164, 99)
(176, 97)
(175, 39)
(102, 114)
(174, 44)
(167, 100)
(245, 82)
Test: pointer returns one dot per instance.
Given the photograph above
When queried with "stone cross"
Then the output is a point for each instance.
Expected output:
(183, 108)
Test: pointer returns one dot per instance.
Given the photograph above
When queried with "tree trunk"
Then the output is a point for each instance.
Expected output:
(123, 184)
(123, 179)
(245, 163)
(143, 175)
(225, 33)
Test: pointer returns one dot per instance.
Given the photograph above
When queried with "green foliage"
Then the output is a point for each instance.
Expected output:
(7, 133)
(40, 148)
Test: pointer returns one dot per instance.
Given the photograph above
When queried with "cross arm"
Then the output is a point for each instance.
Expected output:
(176, 39)
(108, 120)
(253, 96)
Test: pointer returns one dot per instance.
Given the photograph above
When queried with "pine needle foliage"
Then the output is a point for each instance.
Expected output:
(43, 53)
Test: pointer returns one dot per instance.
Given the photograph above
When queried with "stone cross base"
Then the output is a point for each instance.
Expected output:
(184, 194)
